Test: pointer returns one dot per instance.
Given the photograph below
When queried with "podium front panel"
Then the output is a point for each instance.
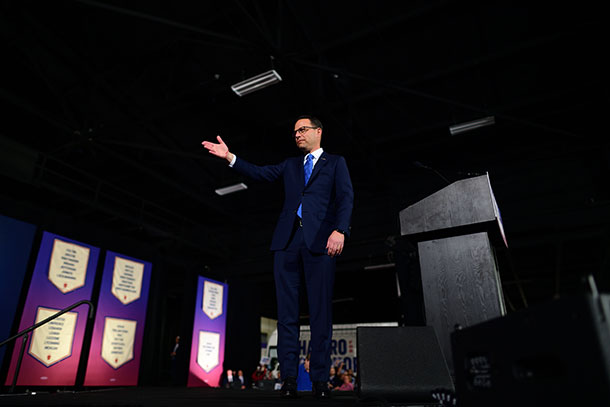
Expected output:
(461, 284)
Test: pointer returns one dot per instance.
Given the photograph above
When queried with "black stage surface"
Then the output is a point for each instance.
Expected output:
(178, 396)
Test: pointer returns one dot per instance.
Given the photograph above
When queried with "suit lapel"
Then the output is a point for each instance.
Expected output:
(316, 169)
(300, 171)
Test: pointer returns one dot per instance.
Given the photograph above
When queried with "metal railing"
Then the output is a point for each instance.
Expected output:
(26, 331)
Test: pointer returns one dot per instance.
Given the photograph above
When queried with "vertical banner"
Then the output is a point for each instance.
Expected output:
(16, 240)
(116, 344)
(208, 345)
(63, 275)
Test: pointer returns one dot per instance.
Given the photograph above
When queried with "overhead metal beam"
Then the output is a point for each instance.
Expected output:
(164, 21)
(439, 99)
(263, 31)
(369, 28)
(128, 109)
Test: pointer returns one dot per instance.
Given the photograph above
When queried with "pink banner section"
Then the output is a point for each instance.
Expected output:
(208, 345)
(116, 343)
(63, 275)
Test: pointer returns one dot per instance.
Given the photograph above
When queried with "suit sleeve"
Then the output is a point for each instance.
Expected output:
(257, 172)
(344, 196)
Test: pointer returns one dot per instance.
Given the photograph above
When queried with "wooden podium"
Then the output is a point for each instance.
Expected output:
(456, 230)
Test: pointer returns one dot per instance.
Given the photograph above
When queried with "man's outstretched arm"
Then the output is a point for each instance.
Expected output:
(219, 150)
(260, 173)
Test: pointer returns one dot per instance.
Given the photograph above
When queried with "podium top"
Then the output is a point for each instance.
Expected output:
(461, 205)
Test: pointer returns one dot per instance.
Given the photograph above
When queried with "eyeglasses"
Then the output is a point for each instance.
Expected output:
(302, 130)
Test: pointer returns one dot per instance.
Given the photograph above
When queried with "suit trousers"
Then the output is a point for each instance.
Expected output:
(319, 275)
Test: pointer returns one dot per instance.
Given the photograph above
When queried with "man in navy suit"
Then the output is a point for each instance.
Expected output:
(309, 234)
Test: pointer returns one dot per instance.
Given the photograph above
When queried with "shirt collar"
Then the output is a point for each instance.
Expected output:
(316, 154)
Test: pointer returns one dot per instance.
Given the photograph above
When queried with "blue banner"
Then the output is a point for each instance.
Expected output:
(16, 239)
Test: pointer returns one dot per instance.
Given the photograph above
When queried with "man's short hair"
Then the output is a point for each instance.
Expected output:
(314, 120)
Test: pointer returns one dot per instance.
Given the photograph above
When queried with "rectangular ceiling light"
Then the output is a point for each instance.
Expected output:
(232, 188)
(257, 82)
(475, 124)
(380, 266)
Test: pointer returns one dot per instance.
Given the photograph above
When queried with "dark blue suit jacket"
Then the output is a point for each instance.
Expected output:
(327, 198)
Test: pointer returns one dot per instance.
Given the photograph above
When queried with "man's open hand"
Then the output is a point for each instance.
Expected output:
(219, 150)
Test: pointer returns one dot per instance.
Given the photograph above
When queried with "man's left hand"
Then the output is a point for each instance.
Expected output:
(334, 246)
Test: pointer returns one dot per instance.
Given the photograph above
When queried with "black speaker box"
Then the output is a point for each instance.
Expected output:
(401, 364)
(556, 354)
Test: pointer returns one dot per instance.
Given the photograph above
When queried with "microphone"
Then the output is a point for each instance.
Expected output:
(471, 174)
(420, 165)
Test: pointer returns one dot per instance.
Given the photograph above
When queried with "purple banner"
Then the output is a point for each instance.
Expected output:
(63, 275)
(116, 344)
(208, 345)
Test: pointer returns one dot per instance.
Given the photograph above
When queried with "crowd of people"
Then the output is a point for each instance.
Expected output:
(341, 379)
(234, 380)
(263, 377)
(268, 377)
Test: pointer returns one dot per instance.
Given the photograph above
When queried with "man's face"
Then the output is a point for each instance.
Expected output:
(229, 372)
(307, 139)
(240, 373)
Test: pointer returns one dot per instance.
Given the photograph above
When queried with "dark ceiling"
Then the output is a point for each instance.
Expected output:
(105, 104)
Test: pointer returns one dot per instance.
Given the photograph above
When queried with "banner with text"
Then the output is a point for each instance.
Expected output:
(63, 275)
(208, 345)
(116, 343)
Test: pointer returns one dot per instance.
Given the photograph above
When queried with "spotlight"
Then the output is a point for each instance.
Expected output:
(475, 124)
(257, 82)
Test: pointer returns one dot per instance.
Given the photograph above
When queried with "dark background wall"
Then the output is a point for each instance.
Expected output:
(105, 105)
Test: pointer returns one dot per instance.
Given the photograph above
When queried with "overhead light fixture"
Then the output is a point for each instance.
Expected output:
(475, 124)
(380, 266)
(257, 82)
(232, 188)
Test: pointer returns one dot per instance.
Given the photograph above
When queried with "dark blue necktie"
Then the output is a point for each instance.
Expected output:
(308, 168)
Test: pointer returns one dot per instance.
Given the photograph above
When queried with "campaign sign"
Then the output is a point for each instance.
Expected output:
(118, 340)
(52, 342)
(116, 343)
(68, 268)
(127, 280)
(208, 345)
(63, 275)
(208, 351)
(212, 299)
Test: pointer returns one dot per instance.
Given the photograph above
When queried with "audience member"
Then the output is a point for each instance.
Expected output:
(241, 380)
(258, 376)
(173, 355)
(334, 380)
(303, 378)
(352, 375)
(229, 381)
(347, 383)
(277, 382)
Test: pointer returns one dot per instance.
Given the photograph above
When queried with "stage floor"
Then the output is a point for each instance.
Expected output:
(179, 396)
